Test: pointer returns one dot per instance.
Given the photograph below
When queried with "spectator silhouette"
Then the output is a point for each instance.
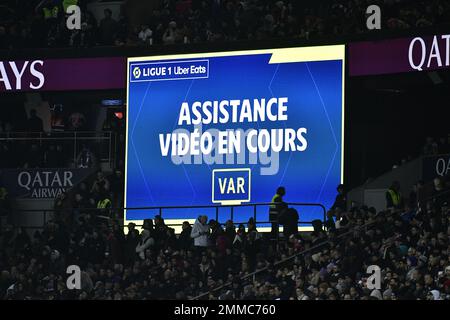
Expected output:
(185, 240)
(108, 28)
(341, 199)
(394, 198)
(34, 123)
(289, 220)
(276, 209)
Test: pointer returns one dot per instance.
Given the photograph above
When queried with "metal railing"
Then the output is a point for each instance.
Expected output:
(103, 143)
(232, 208)
(116, 212)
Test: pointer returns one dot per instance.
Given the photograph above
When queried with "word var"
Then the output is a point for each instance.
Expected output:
(227, 185)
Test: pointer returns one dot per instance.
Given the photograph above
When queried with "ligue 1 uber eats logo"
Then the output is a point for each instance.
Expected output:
(137, 72)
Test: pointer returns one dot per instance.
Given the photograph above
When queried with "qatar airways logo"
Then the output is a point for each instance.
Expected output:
(434, 55)
(21, 75)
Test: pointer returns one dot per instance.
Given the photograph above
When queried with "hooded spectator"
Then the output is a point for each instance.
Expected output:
(200, 232)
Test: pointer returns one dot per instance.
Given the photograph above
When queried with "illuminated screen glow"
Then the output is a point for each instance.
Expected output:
(231, 127)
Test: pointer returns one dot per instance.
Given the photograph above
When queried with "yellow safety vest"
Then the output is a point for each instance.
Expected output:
(68, 3)
(3, 193)
(102, 204)
(395, 197)
(274, 205)
(50, 13)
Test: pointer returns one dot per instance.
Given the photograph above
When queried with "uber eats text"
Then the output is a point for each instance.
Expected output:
(213, 145)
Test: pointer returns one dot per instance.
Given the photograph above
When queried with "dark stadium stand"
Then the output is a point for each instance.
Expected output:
(27, 24)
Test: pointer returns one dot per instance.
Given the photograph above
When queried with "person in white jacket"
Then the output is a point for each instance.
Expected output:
(145, 243)
(200, 232)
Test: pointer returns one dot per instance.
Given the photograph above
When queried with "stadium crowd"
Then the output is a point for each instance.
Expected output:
(41, 23)
(410, 245)
(409, 241)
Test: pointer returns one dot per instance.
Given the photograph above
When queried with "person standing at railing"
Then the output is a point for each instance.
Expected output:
(185, 241)
(200, 232)
(34, 123)
(130, 244)
(230, 231)
(289, 220)
(160, 230)
(276, 209)
(145, 242)
(341, 199)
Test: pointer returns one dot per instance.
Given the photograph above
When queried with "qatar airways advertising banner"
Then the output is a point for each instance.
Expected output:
(41, 183)
(413, 54)
(229, 128)
(62, 74)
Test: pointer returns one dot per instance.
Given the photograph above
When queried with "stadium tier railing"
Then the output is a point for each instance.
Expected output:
(101, 143)
(117, 213)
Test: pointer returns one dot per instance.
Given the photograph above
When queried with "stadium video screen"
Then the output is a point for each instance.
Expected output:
(230, 127)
